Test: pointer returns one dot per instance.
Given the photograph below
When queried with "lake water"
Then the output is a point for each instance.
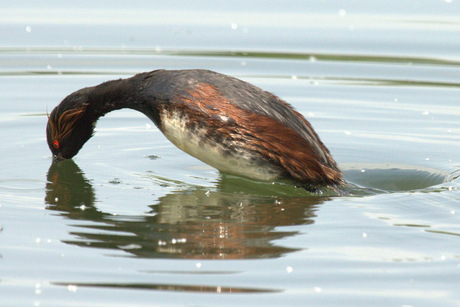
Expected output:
(133, 221)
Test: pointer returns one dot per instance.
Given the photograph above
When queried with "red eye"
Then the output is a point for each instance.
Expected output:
(56, 144)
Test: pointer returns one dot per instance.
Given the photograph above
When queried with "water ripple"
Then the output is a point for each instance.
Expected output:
(71, 286)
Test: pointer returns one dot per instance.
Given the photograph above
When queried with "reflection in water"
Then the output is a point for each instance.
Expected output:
(169, 287)
(189, 224)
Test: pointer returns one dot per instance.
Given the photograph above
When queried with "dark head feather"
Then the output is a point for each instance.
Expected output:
(62, 125)
(70, 125)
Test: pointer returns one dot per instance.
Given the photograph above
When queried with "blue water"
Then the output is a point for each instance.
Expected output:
(134, 221)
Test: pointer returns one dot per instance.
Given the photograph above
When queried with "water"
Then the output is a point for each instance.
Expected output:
(134, 221)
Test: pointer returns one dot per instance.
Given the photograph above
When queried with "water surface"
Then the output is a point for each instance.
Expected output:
(132, 220)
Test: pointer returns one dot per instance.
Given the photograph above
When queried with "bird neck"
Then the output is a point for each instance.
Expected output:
(113, 95)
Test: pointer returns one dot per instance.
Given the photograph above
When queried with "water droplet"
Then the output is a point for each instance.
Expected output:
(72, 288)
(312, 58)
(318, 289)
(426, 113)
(342, 12)
(38, 288)
(364, 235)
(289, 269)
(198, 265)
(28, 29)
(347, 133)
(234, 26)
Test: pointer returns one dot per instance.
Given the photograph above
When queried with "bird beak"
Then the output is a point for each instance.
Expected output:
(58, 157)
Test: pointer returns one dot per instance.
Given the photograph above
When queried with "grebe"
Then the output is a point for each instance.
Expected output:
(225, 122)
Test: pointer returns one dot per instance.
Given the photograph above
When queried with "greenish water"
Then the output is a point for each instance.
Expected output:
(133, 221)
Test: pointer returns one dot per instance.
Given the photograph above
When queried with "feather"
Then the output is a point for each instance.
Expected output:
(62, 126)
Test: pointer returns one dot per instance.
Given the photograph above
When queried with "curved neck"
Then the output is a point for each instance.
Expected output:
(124, 93)
(113, 95)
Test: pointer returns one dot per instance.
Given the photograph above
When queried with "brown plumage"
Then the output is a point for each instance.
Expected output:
(223, 121)
(268, 137)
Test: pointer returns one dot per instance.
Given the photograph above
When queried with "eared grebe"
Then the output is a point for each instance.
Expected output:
(223, 121)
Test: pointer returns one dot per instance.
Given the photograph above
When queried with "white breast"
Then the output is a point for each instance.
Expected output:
(213, 153)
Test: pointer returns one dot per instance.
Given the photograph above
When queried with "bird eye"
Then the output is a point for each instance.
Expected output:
(56, 144)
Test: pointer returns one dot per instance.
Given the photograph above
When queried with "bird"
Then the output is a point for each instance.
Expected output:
(221, 120)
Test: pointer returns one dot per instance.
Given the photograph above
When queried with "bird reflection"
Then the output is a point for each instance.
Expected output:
(191, 224)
